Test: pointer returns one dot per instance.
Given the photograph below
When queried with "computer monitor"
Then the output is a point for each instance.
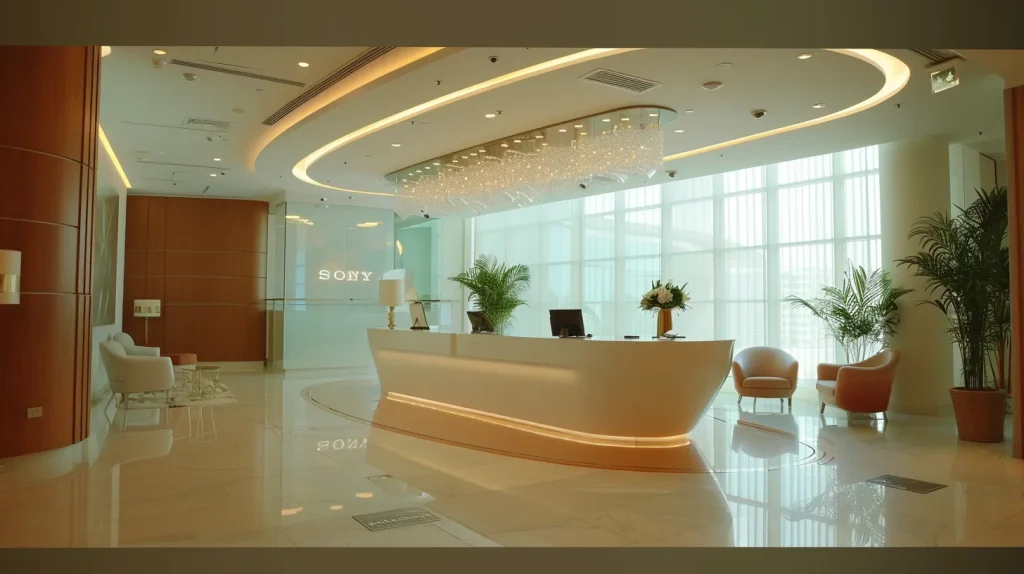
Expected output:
(567, 323)
(479, 322)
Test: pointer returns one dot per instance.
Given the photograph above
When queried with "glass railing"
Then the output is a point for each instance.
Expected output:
(331, 333)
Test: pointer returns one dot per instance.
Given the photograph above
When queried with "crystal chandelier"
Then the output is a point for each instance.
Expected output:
(537, 166)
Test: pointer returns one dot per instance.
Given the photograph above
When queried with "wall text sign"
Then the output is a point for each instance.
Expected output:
(341, 275)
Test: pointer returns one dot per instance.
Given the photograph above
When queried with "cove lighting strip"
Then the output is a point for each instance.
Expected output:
(542, 429)
(113, 157)
(896, 73)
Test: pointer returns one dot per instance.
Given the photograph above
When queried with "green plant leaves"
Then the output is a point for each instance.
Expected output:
(495, 289)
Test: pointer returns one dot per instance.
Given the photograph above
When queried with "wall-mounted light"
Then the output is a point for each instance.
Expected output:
(10, 277)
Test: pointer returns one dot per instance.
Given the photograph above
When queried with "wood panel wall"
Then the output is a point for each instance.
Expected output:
(48, 109)
(206, 260)
(1014, 114)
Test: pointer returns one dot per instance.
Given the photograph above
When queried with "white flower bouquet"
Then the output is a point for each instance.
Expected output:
(665, 296)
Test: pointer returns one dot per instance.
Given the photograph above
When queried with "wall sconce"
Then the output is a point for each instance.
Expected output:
(10, 277)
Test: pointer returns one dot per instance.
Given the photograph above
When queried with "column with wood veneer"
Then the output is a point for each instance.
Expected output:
(48, 107)
(1015, 168)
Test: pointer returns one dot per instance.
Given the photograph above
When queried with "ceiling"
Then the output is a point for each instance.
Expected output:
(137, 98)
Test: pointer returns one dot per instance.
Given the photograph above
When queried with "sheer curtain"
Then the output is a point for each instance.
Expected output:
(742, 240)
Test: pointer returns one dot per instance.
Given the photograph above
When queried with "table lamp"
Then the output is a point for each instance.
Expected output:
(10, 273)
(147, 308)
(391, 295)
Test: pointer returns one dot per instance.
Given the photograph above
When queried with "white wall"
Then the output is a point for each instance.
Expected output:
(108, 179)
(915, 181)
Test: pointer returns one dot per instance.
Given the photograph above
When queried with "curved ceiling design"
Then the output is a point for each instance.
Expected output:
(896, 74)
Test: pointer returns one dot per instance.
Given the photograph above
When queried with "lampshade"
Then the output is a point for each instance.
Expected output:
(391, 292)
(10, 275)
(147, 307)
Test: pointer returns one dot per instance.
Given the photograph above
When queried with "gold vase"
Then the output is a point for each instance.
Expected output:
(664, 321)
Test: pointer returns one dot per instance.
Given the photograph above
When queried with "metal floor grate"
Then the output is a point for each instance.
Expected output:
(908, 484)
(395, 518)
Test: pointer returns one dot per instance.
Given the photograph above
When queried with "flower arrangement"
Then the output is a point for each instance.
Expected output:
(665, 296)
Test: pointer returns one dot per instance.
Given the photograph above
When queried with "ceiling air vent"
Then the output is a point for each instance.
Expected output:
(233, 72)
(620, 81)
(205, 125)
(939, 57)
(357, 63)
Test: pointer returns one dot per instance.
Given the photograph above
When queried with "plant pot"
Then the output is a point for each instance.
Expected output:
(664, 321)
(980, 414)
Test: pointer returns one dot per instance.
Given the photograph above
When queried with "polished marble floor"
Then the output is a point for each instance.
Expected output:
(278, 469)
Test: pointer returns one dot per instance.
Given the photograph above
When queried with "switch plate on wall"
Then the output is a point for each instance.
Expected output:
(35, 412)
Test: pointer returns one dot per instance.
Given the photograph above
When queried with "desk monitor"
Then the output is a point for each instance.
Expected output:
(479, 322)
(567, 323)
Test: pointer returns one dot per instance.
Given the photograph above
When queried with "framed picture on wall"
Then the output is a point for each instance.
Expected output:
(418, 317)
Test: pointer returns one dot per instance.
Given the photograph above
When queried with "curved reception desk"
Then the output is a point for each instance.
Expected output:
(533, 396)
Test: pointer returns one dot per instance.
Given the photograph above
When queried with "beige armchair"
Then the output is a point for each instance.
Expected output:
(864, 387)
(765, 372)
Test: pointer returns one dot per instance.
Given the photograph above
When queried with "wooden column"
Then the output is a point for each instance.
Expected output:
(1014, 100)
(48, 109)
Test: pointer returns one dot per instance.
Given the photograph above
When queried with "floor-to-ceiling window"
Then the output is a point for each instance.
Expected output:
(742, 240)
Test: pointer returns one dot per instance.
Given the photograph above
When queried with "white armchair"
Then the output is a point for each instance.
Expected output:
(131, 349)
(135, 374)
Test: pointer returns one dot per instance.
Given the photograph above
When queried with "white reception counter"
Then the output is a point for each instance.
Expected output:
(624, 393)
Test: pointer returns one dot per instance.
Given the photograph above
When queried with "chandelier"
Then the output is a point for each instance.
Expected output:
(540, 165)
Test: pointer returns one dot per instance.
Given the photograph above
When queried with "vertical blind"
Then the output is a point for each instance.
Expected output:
(742, 240)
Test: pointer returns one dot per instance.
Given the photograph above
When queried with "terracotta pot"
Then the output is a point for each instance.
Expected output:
(664, 321)
(980, 414)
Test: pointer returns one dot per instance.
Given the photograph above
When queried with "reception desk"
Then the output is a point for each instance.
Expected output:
(507, 390)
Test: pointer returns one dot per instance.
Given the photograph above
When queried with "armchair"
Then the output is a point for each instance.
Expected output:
(131, 349)
(134, 374)
(765, 372)
(864, 387)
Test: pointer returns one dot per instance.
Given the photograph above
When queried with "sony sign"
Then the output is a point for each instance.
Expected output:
(340, 275)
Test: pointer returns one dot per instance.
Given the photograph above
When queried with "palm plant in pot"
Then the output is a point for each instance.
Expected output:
(495, 289)
(861, 314)
(965, 262)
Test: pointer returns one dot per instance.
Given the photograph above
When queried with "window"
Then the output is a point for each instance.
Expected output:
(743, 241)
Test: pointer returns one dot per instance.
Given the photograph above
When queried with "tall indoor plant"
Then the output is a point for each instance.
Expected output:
(496, 289)
(861, 314)
(965, 261)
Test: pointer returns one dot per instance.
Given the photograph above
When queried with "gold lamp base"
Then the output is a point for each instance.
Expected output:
(391, 317)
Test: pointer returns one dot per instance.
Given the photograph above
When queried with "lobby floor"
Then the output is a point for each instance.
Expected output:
(279, 470)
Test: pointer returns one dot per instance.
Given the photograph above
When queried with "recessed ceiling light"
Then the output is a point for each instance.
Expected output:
(396, 145)
(216, 159)
(437, 163)
(517, 141)
(291, 217)
(368, 224)
(465, 157)
(410, 173)
(818, 106)
(303, 64)
(543, 143)
(678, 131)
(690, 111)
(606, 119)
(804, 56)
(472, 153)
(364, 495)
(455, 161)
(539, 136)
(504, 145)
(724, 66)
(160, 52)
(712, 85)
(419, 171)
(426, 167)
(625, 119)
(489, 116)
(482, 150)
(653, 114)
(578, 126)
(213, 175)
(583, 133)
(336, 507)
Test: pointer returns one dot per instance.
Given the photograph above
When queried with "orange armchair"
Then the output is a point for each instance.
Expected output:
(765, 372)
(864, 387)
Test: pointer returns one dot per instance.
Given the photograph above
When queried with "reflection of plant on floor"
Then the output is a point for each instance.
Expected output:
(855, 509)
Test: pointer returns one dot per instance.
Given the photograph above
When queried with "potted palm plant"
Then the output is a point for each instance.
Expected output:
(861, 314)
(495, 289)
(965, 261)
